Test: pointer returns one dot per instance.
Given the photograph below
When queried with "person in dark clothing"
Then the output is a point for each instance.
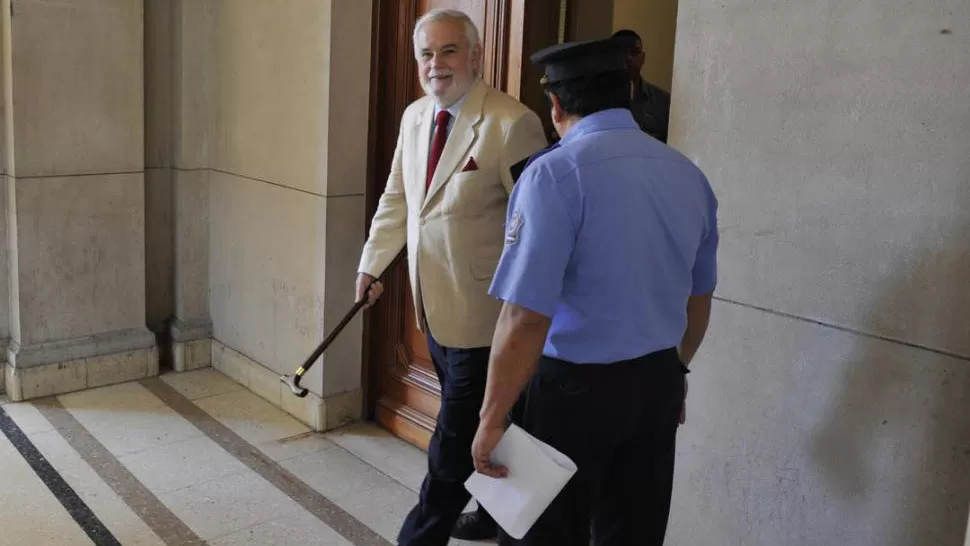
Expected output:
(650, 104)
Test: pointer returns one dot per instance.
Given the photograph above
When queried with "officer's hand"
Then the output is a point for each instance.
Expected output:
(683, 406)
(485, 441)
(363, 281)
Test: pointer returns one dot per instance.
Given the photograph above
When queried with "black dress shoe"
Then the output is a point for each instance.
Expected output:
(472, 526)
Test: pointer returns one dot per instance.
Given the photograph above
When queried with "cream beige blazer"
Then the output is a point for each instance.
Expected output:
(455, 231)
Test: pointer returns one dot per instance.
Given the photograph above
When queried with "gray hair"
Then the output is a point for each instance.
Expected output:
(471, 31)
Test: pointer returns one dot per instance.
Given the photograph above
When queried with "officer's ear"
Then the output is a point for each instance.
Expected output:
(555, 107)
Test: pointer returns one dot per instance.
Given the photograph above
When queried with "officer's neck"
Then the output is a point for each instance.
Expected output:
(565, 124)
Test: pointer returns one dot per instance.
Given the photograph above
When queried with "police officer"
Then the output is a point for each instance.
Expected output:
(606, 275)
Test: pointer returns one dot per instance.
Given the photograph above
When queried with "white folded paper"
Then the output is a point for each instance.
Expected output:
(537, 473)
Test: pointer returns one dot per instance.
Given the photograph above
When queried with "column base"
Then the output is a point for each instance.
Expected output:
(60, 367)
(191, 345)
(4, 344)
(191, 355)
(320, 414)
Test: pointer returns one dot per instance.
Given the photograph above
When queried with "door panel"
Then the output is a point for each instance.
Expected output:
(409, 392)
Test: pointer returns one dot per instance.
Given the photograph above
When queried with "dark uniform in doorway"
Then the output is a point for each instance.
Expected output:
(650, 104)
(607, 273)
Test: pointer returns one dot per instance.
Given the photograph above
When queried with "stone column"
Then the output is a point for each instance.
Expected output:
(75, 195)
(193, 87)
(344, 187)
(287, 198)
(6, 164)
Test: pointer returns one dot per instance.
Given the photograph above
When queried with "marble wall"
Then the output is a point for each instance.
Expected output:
(831, 401)
(186, 170)
(268, 165)
(75, 195)
(192, 136)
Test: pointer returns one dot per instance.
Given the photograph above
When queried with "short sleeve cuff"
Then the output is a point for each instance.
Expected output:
(532, 302)
(704, 284)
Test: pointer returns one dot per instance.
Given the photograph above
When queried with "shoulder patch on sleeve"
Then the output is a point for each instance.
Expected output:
(515, 224)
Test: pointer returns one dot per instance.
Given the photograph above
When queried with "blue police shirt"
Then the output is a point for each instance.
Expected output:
(609, 233)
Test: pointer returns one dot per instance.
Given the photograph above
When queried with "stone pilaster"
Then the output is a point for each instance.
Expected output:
(286, 209)
(194, 48)
(75, 196)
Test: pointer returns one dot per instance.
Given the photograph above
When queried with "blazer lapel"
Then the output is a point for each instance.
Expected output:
(463, 134)
(423, 139)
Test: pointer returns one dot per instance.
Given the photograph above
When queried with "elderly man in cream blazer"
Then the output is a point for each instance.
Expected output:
(446, 199)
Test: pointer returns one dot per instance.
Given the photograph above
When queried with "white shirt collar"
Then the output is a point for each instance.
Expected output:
(454, 109)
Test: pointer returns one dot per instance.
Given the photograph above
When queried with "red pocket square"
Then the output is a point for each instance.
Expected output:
(470, 166)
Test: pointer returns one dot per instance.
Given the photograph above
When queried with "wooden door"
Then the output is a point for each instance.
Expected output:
(401, 388)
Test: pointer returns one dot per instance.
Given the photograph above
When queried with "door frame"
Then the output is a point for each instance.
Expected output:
(512, 29)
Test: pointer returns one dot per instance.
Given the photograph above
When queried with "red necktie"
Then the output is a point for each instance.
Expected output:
(437, 145)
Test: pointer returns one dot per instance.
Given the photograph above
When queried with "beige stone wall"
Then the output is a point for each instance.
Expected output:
(75, 195)
(830, 402)
(270, 109)
(589, 19)
(193, 84)
(191, 167)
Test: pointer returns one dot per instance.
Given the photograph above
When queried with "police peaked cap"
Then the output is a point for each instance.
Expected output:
(582, 59)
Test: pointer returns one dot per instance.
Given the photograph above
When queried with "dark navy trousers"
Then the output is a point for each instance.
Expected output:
(462, 374)
(618, 423)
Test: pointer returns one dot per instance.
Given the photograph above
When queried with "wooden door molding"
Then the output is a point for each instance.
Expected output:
(392, 67)
(496, 42)
(533, 25)
(399, 394)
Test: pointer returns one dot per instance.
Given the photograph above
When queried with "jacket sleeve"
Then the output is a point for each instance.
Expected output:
(524, 138)
(388, 230)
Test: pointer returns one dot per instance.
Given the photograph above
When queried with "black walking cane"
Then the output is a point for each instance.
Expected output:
(293, 381)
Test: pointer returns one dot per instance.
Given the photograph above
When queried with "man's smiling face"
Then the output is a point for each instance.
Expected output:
(447, 64)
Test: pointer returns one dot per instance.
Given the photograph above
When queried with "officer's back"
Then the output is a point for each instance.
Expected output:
(640, 211)
(606, 278)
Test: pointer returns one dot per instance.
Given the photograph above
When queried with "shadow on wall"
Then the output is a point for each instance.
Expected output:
(896, 445)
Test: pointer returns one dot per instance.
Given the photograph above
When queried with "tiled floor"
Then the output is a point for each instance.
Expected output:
(194, 458)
